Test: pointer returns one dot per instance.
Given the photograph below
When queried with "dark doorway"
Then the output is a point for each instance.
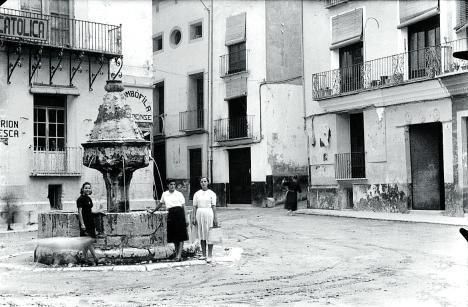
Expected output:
(55, 196)
(356, 128)
(195, 170)
(351, 60)
(238, 118)
(239, 176)
(427, 166)
(159, 171)
(158, 113)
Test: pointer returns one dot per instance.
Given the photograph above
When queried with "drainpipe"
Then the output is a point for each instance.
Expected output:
(210, 90)
(304, 97)
(211, 94)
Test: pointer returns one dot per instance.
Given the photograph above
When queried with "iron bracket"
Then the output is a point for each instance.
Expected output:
(92, 76)
(53, 68)
(74, 69)
(37, 63)
(11, 66)
(119, 63)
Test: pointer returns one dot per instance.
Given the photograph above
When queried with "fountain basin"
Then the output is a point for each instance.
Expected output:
(122, 238)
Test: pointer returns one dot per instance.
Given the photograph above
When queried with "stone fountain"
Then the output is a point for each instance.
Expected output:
(116, 148)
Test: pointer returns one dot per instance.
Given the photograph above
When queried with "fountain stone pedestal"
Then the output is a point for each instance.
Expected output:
(116, 148)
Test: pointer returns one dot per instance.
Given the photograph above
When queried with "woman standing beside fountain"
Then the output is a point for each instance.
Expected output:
(176, 222)
(204, 216)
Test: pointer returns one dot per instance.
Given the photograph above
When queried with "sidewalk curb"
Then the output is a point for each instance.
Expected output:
(405, 218)
(235, 255)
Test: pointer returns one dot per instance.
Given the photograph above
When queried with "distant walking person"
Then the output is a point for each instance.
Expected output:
(86, 218)
(176, 221)
(291, 194)
(204, 216)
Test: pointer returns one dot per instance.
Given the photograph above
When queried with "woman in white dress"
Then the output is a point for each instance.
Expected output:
(204, 216)
(176, 221)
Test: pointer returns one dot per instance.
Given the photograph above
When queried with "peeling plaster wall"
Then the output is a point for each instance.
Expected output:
(382, 197)
(283, 40)
(387, 167)
(284, 129)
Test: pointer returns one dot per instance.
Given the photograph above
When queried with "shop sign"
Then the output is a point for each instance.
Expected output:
(9, 128)
(23, 27)
(141, 107)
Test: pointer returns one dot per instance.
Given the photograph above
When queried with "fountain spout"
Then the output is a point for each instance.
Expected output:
(116, 147)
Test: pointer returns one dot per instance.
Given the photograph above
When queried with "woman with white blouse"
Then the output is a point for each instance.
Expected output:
(176, 221)
(204, 216)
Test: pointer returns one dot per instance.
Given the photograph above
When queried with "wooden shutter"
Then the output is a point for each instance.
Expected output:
(346, 29)
(462, 12)
(236, 87)
(235, 29)
(412, 11)
(31, 5)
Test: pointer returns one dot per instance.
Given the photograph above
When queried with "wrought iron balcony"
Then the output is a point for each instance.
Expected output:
(234, 62)
(60, 32)
(228, 129)
(331, 3)
(426, 63)
(190, 121)
(350, 166)
(66, 161)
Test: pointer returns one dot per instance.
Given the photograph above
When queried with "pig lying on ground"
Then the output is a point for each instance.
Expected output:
(61, 250)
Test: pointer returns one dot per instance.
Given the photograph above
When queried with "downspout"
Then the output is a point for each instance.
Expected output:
(304, 98)
(210, 90)
(211, 95)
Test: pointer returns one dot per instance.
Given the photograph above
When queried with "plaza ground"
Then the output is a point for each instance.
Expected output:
(302, 260)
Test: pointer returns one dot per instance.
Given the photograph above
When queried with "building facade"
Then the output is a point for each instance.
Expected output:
(386, 105)
(55, 57)
(229, 96)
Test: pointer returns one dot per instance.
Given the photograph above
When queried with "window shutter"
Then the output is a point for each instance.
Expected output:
(235, 29)
(412, 11)
(236, 87)
(346, 29)
(462, 12)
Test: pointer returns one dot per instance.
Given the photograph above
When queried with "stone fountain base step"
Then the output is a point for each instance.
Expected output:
(130, 237)
(52, 256)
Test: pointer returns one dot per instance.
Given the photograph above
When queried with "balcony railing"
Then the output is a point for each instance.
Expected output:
(233, 62)
(61, 32)
(227, 129)
(65, 162)
(331, 3)
(350, 165)
(192, 120)
(426, 63)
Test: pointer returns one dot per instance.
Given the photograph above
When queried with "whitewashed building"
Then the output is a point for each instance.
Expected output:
(55, 57)
(229, 95)
(386, 105)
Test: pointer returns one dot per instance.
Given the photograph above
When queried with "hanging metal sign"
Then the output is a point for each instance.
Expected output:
(23, 27)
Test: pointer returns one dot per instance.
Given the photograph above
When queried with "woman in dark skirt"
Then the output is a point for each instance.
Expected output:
(291, 195)
(176, 221)
(86, 218)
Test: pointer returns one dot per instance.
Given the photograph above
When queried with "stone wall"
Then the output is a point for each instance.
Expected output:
(114, 230)
(382, 197)
(326, 198)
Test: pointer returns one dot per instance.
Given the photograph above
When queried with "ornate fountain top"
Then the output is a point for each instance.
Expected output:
(114, 121)
(116, 147)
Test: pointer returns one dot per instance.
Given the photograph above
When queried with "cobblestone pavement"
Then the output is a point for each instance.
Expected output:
(302, 260)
